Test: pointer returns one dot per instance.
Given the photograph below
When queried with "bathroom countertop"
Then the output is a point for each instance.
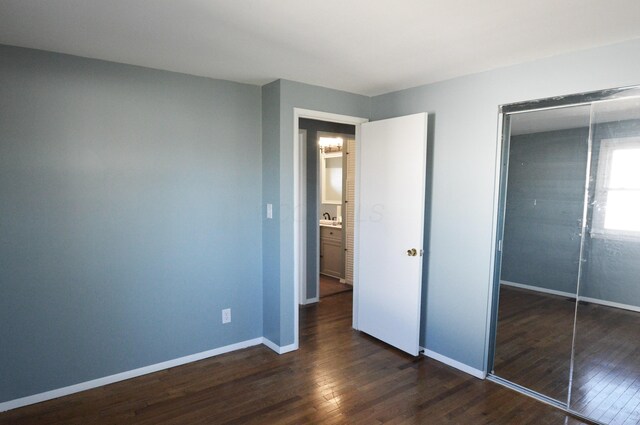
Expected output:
(330, 223)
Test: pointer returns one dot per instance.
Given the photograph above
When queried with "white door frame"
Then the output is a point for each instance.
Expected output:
(302, 211)
(299, 222)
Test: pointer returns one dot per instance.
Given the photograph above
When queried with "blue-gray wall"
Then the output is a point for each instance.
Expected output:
(132, 206)
(278, 188)
(129, 217)
(545, 203)
(313, 127)
(463, 202)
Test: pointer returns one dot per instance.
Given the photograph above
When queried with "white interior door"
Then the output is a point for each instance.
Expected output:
(390, 236)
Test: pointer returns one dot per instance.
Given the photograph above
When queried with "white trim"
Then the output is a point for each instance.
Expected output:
(480, 374)
(538, 289)
(278, 349)
(272, 345)
(311, 300)
(495, 219)
(328, 116)
(301, 209)
(317, 228)
(356, 232)
(82, 386)
(299, 250)
(570, 295)
(610, 304)
(288, 348)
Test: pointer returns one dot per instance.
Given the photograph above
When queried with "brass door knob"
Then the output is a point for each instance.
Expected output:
(412, 252)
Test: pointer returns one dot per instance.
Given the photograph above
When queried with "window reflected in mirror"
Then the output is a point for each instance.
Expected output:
(568, 306)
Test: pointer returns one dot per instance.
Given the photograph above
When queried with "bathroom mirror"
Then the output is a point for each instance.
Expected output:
(331, 177)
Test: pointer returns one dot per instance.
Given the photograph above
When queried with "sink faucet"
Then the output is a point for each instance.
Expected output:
(327, 216)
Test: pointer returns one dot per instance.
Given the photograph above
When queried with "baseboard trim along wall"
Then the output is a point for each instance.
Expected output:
(278, 349)
(569, 295)
(538, 289)
(480, 374)
(83, 386)
(610, 304)
(311, 300)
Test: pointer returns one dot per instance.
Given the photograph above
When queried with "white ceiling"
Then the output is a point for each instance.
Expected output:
(550, 120)
(575, 116)
(362, 46)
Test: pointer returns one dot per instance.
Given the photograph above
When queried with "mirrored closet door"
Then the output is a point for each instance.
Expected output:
(567, 299)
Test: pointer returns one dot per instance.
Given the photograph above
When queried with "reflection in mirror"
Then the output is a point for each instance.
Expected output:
(331, 178)
(330, 146)
(545, 198)
(606, 378)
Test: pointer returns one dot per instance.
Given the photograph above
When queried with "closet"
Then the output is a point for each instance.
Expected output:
(566, 310)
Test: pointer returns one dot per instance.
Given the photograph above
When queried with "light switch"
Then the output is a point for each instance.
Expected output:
(269, 210)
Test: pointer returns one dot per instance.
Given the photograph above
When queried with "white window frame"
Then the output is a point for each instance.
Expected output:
(607, 148)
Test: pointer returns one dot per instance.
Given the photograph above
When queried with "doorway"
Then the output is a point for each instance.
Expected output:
(306, 211)
(328, 189)
(388, 246)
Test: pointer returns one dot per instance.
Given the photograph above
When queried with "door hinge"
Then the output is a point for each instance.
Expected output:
(500, 245)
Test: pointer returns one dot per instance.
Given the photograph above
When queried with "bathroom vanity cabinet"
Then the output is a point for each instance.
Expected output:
(331, 251)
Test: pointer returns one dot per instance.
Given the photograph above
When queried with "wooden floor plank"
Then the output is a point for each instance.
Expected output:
(534, 340)
(607, 364)
(533, 349)
(338, 376)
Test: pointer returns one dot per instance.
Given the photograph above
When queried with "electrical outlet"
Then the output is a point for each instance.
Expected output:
(226, 315)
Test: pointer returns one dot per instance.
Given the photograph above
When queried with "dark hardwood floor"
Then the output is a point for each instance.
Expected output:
(606, 379)
(534, 340)
(338, 376)
(331, 286)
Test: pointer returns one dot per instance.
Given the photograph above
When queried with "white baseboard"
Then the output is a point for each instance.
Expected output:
(60, 392)
(538, 289)
(272, 345)
(311, 300)
(288, 348)
(278, 349)
(610, 304)
(480, 374)
(573, 296)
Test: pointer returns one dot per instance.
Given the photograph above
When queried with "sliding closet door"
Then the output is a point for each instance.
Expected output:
(543, 217)
(606, 378)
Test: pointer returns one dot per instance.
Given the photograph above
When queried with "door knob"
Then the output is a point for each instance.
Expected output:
(412, 252)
